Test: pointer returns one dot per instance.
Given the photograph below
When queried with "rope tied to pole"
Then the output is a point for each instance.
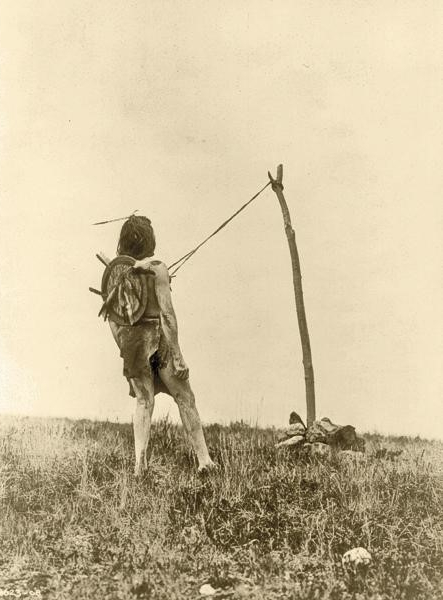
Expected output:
(181, 261)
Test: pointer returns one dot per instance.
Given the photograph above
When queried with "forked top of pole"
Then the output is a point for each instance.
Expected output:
(278, 181)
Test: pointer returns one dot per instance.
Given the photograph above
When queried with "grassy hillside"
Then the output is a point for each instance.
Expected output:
(270, 524)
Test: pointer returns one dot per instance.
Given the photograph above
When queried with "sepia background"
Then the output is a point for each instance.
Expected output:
(178, 109)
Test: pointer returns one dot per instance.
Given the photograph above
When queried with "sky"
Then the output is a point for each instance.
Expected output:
(179, 109)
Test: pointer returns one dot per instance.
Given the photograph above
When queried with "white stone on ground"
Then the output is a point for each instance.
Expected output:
(356, 557)
(207, 590)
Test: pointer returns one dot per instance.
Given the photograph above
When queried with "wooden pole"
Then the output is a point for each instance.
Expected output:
(277, 186)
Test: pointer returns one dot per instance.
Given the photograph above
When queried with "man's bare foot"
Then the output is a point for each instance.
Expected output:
(139, 470)
(208, 467)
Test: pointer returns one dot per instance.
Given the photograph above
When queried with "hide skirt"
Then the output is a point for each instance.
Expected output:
(143, 349)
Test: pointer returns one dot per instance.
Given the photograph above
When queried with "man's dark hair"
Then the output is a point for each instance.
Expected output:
(137, 238)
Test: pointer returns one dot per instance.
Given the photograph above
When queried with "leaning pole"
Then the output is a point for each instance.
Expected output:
(277, 186)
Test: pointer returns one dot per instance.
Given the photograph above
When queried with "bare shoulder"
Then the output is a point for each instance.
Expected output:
(160, 270)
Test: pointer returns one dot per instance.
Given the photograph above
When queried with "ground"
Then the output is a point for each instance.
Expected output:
(269, 524)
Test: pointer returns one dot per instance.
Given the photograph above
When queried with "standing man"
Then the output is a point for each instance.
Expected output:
(152, 359)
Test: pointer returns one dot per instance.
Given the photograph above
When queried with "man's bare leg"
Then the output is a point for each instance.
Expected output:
(144, 392)
(182, 393)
